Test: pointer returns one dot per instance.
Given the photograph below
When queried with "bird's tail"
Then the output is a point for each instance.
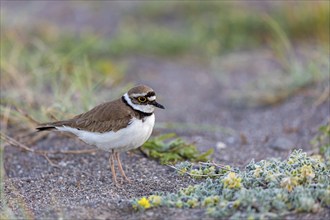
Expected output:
(45, 128)
(50, 125)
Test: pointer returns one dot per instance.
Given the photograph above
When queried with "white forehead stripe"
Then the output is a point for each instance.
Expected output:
(139, 94)
(152, 98)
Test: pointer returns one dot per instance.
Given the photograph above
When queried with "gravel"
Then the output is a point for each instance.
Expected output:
(199, 107)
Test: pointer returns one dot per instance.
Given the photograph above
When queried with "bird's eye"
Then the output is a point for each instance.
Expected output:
(142, 99)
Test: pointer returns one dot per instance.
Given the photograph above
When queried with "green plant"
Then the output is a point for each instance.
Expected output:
(212, 28)
(321, 141)
(291, 76)
(169, 149)
(265, 189)
(58, 76)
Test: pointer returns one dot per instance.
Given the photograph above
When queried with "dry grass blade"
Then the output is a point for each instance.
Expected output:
(87, 151)
(52, 116)
(323, 97)
(218, 165)
(50, 161)
(207, 164)
(194, 175)
(26, 115)
(16, 143)
(12, 141)
(36, 138)
(5, 119)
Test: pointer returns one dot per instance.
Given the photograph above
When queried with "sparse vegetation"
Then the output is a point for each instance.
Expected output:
(71, 67)
(64, 81)
(169, 149)
(321, 142)
(265, 189)
(291, 76)
(49, 73)
(215, 28)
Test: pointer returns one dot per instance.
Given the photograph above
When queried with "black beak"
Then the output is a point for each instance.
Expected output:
(157, 105)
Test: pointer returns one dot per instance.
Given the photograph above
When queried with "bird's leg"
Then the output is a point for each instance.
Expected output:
(112, 167)
(120, 167)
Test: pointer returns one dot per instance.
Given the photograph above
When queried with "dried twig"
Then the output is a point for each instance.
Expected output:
(52, 116)
(13, 142)
(213, 175)
(37, 136)
(49, 160)
(224, 167)
(26, 115)
(205, 175)
(219, 166)
(86, 151)
(16, 143)
(6, 118)
(196, 175)
(323, 97)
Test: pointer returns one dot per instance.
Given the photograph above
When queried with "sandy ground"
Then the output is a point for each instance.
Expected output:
(200, 108)
(82, 186)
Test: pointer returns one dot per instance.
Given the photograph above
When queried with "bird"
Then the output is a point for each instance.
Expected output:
(116, 126)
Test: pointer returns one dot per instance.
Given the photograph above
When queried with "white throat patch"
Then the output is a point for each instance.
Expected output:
(142, 108)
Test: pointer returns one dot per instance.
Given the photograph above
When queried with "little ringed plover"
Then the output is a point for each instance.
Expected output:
(116, 126)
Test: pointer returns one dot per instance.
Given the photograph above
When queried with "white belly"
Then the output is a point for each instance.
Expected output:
(133, 136)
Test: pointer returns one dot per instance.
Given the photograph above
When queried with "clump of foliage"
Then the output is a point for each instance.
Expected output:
(264, 189)
(322, 142)
(213, 27)
(63, 82)
(169, 149)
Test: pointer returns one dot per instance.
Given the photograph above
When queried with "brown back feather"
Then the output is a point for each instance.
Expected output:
(110, 116)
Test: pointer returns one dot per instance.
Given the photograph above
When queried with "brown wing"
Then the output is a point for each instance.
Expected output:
(110, 116)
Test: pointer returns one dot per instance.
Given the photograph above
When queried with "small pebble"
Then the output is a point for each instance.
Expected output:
(220, 145)
(281, 144)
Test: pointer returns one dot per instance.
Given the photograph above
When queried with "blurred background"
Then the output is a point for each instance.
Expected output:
(230, 73)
